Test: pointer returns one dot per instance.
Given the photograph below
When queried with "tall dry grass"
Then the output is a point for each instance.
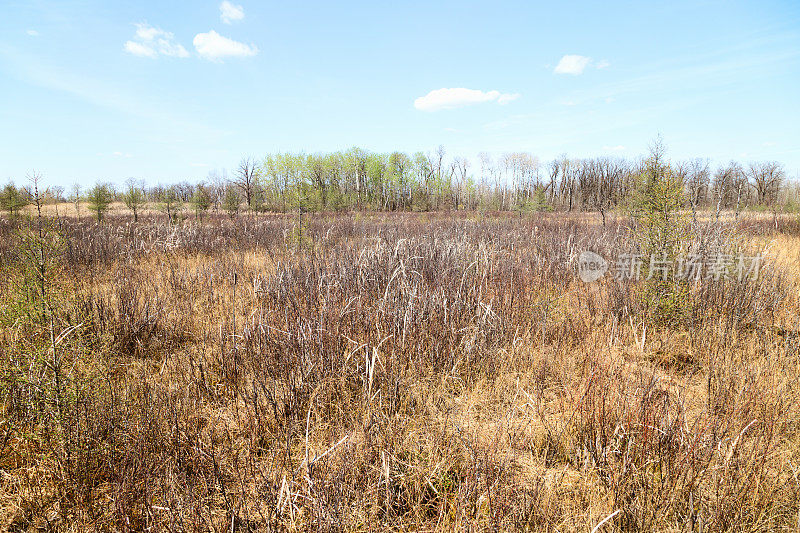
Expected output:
(393, 372)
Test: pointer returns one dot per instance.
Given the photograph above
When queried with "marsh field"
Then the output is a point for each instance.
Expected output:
(414, 371)
(367, 267)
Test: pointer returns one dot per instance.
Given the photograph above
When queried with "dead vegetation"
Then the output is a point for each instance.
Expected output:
(389, 372)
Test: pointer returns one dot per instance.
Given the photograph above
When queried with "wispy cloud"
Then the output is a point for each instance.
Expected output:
(706, 74)
(503, 99)
(32, 33)
(572, 64)
(152, 42)
(229, 13)
(460, 97)
(164, 124)
(576, 64)
(215, 47)
(122, 154)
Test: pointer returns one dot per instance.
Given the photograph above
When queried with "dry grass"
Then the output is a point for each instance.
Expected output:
(392, 372)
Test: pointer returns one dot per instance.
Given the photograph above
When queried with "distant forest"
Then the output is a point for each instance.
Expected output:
(357, 179)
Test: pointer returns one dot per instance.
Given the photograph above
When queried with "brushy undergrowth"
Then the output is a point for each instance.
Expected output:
(395, 372)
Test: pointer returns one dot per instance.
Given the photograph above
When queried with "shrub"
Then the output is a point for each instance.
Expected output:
(13, 199)
(134, 198)
(99, 197)
(660, 231)
(201, 200)
(231, 201)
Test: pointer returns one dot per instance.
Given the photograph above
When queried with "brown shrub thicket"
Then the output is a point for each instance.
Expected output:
(390, 372)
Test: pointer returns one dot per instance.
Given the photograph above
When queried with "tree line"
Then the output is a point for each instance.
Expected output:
(358, 179)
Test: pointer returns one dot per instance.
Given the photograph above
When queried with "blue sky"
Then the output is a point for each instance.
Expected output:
(165, 91)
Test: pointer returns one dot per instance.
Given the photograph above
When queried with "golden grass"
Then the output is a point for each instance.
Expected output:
(311, 413)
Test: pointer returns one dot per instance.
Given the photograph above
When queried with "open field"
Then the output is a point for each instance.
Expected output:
(393, 266)
(401, 372)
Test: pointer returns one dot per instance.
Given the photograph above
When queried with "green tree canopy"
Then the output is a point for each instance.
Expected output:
(100, 197)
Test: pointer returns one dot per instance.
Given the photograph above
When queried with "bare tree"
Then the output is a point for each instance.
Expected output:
(729, 185)
(490, 175)
(438, 165)
(766, 178)
(216, 189)
(555, 170)
(609, 176)
(57, 193)
(697, 178)
(75, 197)
(459, 168)
(246, 178)
(170, 202)
(568, 181)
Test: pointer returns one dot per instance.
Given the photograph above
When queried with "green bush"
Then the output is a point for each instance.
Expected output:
(660, 232)
(100, 197)
(13, 199)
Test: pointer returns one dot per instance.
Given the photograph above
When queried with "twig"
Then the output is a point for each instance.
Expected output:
(606, 519)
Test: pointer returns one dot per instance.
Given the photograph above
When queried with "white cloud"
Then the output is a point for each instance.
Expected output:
(152, 42)
(32, 33)
(503, 99)
(603, 63)
(147, 33)
(572, 64)
(122, 154)
(215, 47)
(229, 12)
(618, 148)
(460, 97)
(139, 49)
